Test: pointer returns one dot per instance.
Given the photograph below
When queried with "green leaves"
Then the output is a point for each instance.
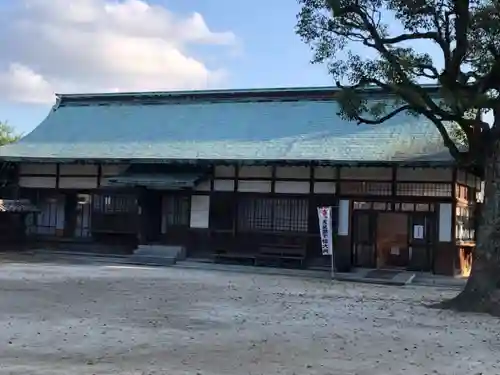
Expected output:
(8, 134)
(402, 46)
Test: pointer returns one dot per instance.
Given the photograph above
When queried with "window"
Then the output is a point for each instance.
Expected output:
(366, 188)
(424, 189)
(176, 209)
(114, 203)
(465, 223)
(362, 205)
(273, 214)
(46, 221)
(421, 207)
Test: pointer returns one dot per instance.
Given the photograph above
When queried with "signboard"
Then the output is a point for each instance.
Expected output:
(325, 230)
(418, 232)
(395, 250)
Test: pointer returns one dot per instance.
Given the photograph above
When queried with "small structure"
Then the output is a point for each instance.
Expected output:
(13, 214)
(239, 174)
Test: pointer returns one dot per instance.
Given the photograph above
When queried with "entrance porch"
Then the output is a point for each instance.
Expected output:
(397, 235)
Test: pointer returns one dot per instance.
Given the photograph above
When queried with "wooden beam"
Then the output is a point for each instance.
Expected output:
(454, 204)
(58, 175)
(235, 198)
(99, 175)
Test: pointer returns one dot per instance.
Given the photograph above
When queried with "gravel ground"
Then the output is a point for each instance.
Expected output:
(98, 319)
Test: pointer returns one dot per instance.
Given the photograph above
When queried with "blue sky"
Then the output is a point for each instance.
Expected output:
(249, 44)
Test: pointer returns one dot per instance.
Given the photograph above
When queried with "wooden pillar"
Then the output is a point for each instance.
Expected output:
(142, 216)
(235, 201)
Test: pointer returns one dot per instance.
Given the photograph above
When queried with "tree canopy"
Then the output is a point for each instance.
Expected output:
(402, 47)
(435, 58)
(8, 134)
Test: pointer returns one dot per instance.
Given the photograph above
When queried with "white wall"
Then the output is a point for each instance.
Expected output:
(225, 171)
(365, 173)
(325, 173)
(424, 174)
(257, 179)
(254, 186)
(200, 209)
(343, 223)
(445, 220)
(78, 182)
(224, 185)
(257, 172)
(292, 187)
(325, 187)
(35, 168)
(293, 172)
(37, 182)
(81, 170)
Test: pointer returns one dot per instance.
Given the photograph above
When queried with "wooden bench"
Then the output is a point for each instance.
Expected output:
(224, 254)
(280, 252)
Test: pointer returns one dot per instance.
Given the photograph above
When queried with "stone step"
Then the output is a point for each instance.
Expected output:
(158, 255)
(151, 260)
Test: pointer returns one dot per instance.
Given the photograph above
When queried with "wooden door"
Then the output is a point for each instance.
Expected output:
(363, 239)
(176, 210)
(392, 240)
(421, 240)
(152, 216)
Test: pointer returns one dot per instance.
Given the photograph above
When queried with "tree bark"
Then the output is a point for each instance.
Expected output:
(482, 291)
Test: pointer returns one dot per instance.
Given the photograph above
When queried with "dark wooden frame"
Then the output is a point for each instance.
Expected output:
(429, 242)
(311, 237)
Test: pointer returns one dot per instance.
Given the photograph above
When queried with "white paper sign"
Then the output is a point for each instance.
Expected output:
(418, 232)
(394, 250)
(325, 230)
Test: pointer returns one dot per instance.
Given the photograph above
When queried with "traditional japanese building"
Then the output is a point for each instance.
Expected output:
(240, 174)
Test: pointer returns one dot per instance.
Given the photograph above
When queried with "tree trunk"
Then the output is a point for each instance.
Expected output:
(482, 291)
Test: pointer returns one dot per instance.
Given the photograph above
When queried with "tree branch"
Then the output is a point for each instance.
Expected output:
(362, 120)
(462, 21)
(393, 61)
(407, 37)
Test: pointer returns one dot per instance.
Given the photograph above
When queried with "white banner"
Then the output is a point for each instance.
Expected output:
(325, 230)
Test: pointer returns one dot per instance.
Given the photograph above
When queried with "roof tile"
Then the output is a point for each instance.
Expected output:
(267, 130)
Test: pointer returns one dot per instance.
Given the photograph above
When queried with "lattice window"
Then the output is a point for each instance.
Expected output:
(381, 206)
(177, 210)
(114, 203)
(465, 223)
(51, 213)
(273, 214)
(424, 189)
(366, 188)
(421, 207)
(424, 207)
(376, 206)
(407, 207)
(362, 205)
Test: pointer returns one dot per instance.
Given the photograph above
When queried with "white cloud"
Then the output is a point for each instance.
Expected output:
(101, 45)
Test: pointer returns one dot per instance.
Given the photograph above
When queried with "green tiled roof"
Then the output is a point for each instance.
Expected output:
(138, 128)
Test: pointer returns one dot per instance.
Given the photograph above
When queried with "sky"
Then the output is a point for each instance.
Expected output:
(69, 46)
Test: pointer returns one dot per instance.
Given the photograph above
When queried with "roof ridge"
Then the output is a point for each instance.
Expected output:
(277, 93)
